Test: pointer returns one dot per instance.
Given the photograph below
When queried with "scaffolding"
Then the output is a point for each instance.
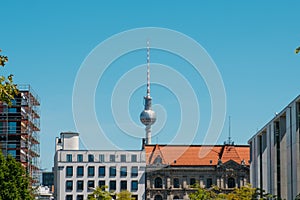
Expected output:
(19, 130)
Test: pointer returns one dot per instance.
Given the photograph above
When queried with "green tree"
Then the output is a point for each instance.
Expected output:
(8, 89)
(202, 194)
(100, 193)
(14, 181)
(124, 195)
(297, 50)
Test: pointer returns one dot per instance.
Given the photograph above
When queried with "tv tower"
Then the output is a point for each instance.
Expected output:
(148, 116)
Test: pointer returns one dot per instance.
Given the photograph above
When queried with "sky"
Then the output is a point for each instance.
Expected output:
(249, 48)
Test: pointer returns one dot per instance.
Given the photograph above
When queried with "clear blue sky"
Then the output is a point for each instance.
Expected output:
(251, 43)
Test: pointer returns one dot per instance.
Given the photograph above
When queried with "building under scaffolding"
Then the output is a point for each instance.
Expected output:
(19, 130)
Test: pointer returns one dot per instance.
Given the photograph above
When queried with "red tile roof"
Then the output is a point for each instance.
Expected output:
(197, 155)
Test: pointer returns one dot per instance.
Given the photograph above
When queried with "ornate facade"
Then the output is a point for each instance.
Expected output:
(172, 170)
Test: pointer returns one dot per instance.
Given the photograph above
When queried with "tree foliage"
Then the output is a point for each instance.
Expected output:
(8, 89)
(124, 195)
(297, 50)
(100, 193)
(244, 193)
(14, 181)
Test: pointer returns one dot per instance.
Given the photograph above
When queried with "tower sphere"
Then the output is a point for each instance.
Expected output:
(148, 117)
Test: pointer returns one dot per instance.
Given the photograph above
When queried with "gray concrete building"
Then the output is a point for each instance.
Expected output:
(275, 154)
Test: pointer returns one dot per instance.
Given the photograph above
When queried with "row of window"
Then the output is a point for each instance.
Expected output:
(91, 184)
(91, 158)
(101, 171)
(158, 182)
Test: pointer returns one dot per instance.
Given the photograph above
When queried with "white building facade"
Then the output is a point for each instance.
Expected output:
(78, 172)
(275, 154)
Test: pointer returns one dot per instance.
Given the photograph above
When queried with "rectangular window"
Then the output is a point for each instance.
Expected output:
(208, 183)
(176, 182)
(79, 185)
(133, 158)
(123, 185)
(112, 185)
(192, 181)
(69, 171)
(112, 171)
(12, 110)
(123, 171)
(101, 158)
(101, 171)
(69, 157)
(79, 197)
(101, 184)
(69, 197)
(134, 186)
(91, 185)
(112, 158)
(12, 127)
(91, 171)
(79, 158)
(80, 171)
(69, 185)
(134, 171)
(13, 153)
(91, 158)
(123, 158)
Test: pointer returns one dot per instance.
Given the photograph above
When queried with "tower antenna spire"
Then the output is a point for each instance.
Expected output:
(148, 116)
(229, 130)
(148, 68)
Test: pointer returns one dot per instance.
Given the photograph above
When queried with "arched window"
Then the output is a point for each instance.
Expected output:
(176, 197)
(176, 182)
(158, 197)
(231, 182)
(158, 182)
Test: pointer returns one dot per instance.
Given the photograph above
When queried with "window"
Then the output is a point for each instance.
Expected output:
(12, 127)
(91, 184)
(80, 171)
(208, 183)
(176, 182)
(112, 171)
(134, 171)
(123, 158)
(123, 185)
(101, 171)
(79, 158)
(133, 158)
(69, 171)
(13, 153)
(69, 197)
(112, 185)
(192, 181)
(134, 186)
(69, 157)
(12, 110)
(112, 158)
(69, 185)
(91, 158)
(91, 171)
(101, 184)
(101, 158)
(123, 171)
(231, 182)
(79, 197)
(79, 185)
(158, 197)
(158, 182)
